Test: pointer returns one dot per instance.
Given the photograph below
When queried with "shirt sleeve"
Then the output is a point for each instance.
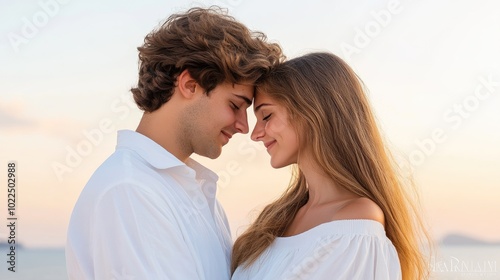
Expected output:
(354, 257)
(136, 236)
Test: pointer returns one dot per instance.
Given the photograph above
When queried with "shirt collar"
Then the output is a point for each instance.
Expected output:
(148, 149)
(202, 173)
(157, 156)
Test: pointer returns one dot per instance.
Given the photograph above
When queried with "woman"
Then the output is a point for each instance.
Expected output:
(345, 214)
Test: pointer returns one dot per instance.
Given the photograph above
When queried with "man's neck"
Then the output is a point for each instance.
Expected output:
(163, 132)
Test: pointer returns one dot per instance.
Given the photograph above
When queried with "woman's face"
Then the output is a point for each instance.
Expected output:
(275, 131)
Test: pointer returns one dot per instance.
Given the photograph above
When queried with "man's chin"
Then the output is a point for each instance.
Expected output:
(212, 153)
(213, 156)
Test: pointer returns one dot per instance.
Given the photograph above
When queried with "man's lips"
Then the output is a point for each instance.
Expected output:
(227, 134)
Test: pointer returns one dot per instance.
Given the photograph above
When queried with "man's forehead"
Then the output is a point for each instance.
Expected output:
(246, 98)
(244, 91)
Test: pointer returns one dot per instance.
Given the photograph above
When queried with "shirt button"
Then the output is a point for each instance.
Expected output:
(209, 190)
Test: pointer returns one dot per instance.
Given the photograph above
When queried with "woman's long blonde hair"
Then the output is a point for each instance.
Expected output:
(326, 101)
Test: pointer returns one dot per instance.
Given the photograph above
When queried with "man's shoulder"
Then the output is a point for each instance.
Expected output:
(122, 168)
(123, 163)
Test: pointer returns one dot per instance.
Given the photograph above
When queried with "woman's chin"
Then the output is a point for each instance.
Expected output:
(276, 164)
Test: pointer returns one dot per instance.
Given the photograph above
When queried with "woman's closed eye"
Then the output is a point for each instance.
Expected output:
(266, 117)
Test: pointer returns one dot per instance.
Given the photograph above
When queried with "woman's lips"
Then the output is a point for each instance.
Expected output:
(269, 144)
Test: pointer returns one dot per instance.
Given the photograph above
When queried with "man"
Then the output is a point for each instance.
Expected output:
(149, 211)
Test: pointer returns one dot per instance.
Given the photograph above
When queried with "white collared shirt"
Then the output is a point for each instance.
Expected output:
(144, 214)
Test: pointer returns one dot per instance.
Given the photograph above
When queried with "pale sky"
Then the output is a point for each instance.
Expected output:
(432, 71)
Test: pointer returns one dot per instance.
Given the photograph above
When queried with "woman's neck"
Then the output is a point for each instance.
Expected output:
(322, 188)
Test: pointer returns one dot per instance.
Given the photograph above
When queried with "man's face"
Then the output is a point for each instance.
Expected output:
(212, 120)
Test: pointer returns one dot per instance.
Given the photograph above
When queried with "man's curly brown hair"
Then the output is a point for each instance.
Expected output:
(210, 44)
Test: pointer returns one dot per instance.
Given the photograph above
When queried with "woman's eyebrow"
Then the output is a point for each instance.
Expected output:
(260, 106)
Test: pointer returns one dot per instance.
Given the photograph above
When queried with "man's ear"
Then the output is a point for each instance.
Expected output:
(187, 85)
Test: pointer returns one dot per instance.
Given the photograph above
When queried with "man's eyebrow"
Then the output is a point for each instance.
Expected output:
(248, 101)
(260, 106)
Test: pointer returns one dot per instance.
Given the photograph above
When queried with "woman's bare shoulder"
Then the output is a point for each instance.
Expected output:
(361, 208)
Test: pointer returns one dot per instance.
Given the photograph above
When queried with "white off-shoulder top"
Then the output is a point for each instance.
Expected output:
(341, 249)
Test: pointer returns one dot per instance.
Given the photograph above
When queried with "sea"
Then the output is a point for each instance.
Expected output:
(449, 263)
